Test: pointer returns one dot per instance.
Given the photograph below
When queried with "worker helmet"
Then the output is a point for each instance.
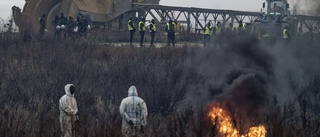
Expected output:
(58, 27)
(63, 26)
(75, 29)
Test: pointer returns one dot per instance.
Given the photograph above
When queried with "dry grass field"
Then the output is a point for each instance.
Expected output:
(276, 86)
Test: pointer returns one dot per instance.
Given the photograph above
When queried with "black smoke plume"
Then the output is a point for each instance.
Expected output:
(245, 76)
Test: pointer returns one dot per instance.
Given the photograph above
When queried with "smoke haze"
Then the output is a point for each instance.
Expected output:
(306, 7)
(246, 75)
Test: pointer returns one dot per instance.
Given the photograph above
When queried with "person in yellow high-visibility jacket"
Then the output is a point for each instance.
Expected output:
(231, 29)
(153, 29)
(217, 31)
(142, 29)
(207, 34)
(242, 27)
(255, 31)
(131, 29)
(170, 29)
(286, 33)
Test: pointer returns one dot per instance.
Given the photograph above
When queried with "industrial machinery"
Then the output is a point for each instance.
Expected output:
(114, 14)
(276, 7)
(97, 11)
(275, 18)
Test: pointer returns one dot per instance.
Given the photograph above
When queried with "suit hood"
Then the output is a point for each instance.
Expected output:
(132, 91)
(67, 89)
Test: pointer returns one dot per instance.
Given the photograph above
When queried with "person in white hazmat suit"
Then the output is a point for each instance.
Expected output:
(133, 111)
(68, 112)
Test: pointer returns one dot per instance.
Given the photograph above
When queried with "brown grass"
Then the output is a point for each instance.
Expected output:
(34, 73)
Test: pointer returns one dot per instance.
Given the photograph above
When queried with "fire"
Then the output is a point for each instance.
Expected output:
(259, 131)
(224, 124)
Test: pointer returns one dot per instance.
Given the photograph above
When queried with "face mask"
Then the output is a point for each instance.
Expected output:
(72, 89)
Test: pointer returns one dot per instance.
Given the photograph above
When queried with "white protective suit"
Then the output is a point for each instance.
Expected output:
(135, 109)
(68, 110)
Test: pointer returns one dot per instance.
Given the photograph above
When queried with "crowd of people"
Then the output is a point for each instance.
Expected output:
(170, 28)
(132, 109)
(213, 34)
(64, 27)
(260, 31)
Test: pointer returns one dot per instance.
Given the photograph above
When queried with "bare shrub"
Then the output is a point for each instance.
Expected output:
(34, 73)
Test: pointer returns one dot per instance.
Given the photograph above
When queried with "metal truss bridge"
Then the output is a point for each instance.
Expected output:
(196, 18)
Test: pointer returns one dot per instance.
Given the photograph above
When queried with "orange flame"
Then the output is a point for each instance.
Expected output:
(223, 121)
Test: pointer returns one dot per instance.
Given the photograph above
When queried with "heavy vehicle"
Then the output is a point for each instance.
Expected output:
(275, 18)
(114, 14)
(98, 12)
(276, 7)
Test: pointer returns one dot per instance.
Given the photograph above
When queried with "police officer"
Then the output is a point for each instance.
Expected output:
(78, 27)
(63, 25)
(131, 29)
(142, 29)
(207, 34)
(242, 27)
(232, 29)
(70, 27)
(218, 29)
(255, 30)
(84, 27)
(286, 34)
(56, 25)
(42, 22)
(217, 32)
(170, 29)
(153, 29)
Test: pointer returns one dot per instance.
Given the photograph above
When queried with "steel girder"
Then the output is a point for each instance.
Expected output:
(196, 18)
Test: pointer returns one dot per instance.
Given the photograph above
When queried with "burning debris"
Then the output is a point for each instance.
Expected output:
(234, 110)
(224, 123)
(240, 84)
